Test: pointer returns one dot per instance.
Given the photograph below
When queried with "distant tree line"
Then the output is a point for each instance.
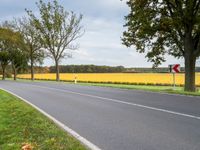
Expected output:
(101, 69)
(91, 69)
(104, 69)
(87, 69)
(109, 69)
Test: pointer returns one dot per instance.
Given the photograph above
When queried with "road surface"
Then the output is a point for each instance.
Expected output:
(116, 119)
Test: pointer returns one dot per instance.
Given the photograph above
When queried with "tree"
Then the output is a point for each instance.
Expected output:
(161, 27)
(4, 54)
(8, 39)
(19, 60)
(10, 44)
(4, 60)
(32, 39)
(58, 29)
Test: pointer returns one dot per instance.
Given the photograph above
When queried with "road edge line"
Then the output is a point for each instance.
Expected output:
(83, 140)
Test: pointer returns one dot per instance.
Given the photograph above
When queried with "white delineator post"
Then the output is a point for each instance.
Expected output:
(75, 79)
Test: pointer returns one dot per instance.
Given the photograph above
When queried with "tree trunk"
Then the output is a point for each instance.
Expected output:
(190, 62)
(4, 72)
(32, 69)
(14, 72)
(57, 71)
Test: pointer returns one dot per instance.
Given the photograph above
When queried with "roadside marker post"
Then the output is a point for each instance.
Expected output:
(176, 68)
(75, 79)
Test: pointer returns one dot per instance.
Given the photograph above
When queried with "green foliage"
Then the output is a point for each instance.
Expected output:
(12, 49)
(31, 37)
(57, 27)
(161, 27)
(4, 57)
(87, 69)
(8, 74)
(19, 59)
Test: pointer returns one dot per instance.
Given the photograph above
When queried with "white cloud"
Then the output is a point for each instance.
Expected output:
(112, 4)
(101, 45)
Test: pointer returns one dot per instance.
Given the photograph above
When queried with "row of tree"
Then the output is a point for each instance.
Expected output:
(87, 69)
(12, 51)
(157, 27)
(105, 69)
(28, 40)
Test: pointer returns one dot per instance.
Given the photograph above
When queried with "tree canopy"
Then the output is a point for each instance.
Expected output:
(58, 29)
(32, 38)
(9, 41)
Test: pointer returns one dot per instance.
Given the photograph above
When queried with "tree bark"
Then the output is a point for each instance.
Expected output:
(190, 62)
(32, 69)
(14, 72)
(57, 71)
(4, 72)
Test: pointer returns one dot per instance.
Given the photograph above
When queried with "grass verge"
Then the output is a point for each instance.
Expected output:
(161, 89)
(153, 88)
(20, 124)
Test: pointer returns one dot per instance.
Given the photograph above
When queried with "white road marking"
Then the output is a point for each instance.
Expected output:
(60, 124)
(122, 102)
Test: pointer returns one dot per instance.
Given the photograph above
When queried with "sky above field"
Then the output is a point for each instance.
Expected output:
(103, 24)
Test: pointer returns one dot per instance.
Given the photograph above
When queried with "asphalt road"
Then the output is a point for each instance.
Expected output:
(115, 119)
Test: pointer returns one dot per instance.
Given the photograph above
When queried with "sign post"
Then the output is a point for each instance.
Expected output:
(176, 68)
(174, 80)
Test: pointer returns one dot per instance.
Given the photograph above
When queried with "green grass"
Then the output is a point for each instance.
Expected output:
(20, 123)
(152, 88)
(162, 89)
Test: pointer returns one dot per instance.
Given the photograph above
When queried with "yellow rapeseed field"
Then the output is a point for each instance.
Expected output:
(137, 78)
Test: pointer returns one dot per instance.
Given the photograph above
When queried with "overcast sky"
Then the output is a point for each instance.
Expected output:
(103, 23)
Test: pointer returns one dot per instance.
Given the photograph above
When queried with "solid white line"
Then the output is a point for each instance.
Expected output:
(160, 93)
(122, 102)
(60, 124)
